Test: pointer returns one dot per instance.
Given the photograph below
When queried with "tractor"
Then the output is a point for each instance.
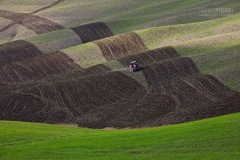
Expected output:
(134, 66)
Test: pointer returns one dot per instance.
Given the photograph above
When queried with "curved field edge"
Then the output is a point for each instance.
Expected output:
(170, 35)
(213, 138)
(213, 45)
(216, 55)
(125, 16)
(25, 6)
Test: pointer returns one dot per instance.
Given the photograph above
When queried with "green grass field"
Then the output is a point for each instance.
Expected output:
(215, 138)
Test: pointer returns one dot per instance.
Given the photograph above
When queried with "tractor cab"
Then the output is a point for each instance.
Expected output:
(134, 66)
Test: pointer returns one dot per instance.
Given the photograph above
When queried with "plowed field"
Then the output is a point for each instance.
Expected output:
(54, 88)
(19, 50)
(37, 68)
(35, 23)
(151, 56)
(67, 101)
(121, 45)
(93, 31)
(96, 97)
(16, 51)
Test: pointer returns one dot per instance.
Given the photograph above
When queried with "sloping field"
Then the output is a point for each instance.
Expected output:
(73, 72)
(67, 86)
(37, 24)
(125, 16)
(196, 97)
(56, 2)
(170, 69)
(61, 100)
(4, 22)
(174, 89)
(89, 54)
(22, 71)
(50, 66)
(23, 22)
(60, 63)
(37, 68)
(120, 46)
(120, 16)
(110, 48)
(25, 70)
(216, 55)
(16, 51)
(176, 34)
(53, 41)
(151, 56)
(176, 93)
(77, 74)
(213, 45)
(26, 6)
(93, 31)
(22, 49)
(215, 138)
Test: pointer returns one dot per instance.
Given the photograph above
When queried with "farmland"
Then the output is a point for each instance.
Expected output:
(209, 139)
(65, 62)
(172, 81)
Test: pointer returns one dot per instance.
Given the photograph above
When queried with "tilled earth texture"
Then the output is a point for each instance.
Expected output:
(97, 97)
(66, 62)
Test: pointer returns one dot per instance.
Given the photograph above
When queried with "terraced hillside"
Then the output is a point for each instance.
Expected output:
(30, 47)
(175, 92)
(74, 70)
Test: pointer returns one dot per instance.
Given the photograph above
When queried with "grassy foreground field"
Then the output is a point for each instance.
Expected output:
(215, 138)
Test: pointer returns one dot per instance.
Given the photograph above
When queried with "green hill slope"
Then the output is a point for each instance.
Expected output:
(217, 55)
(214, 46)
(120, 16)
(216, 138)
(123, 16)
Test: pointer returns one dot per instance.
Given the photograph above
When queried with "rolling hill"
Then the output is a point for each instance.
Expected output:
(215, 138)
(120, 16)
(170, 80)
(66, 62)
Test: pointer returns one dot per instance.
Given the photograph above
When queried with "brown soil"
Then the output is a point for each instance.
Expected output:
(98, 98)
(65, 102)
(79, 73)
(37, 68)
(198, 97)
(16, 51)
(19, 50)
(170, 69)
(121, 45)
(35, 23)
(151, 56)
(93, 31)
(175, 101)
